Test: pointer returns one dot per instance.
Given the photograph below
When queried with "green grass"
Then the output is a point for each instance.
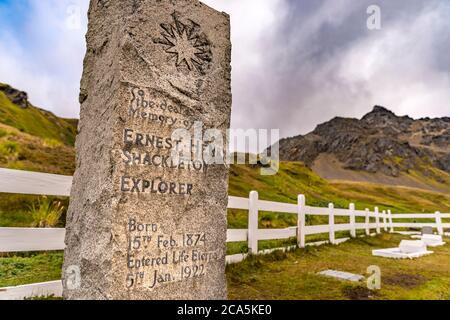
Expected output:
(15, 209)
(30, 268)
(8, 148)
(242, 247)
(46, 213)
(34, 139)
(432, 176)
(36, 121)
(293, 275)
(22, 151)
(3, 133)
(423, 172)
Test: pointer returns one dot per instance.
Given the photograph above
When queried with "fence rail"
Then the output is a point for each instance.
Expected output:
(31, 239)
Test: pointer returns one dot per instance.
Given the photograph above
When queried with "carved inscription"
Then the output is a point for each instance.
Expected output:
(179, 257)
(160, 111)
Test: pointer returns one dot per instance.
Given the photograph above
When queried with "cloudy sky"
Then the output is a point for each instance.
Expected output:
(296, 63)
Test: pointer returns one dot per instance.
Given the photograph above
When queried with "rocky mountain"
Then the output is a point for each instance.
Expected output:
(17, 97)
(381, 147)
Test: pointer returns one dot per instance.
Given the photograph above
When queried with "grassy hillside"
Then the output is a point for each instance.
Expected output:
(23, 151)
(423, 176)
(37, 122)
(295, 178)
(34, 139)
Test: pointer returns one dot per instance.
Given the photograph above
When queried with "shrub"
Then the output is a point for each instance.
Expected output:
(3, 133)
(52, 143)
(47, 213)
(8, 148)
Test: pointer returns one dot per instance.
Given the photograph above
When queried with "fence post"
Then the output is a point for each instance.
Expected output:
(391, 225)
(352, 221)
(385, 221)
(331, 222)
(377, 220)
(253, 223)
(367, 222)
(440, 230)
(301, 215)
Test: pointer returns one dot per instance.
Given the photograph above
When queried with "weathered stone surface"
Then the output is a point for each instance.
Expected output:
(342, 275)
(151, 67)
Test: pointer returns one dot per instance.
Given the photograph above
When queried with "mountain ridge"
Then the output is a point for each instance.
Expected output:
(380, 143)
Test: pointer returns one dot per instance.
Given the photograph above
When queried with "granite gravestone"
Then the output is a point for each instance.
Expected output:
(141, 225)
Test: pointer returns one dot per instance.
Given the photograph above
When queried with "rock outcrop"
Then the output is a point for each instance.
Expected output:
(17, 97)
(380, 142)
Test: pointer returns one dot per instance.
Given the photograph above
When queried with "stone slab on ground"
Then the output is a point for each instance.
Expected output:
(395, 253)
(342, 275)
(430, 240)
(408, 249)
(412, 246)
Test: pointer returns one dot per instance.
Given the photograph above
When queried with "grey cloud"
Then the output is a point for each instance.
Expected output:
(302, 78)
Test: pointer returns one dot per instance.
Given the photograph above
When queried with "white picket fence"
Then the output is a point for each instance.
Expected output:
(32, 239)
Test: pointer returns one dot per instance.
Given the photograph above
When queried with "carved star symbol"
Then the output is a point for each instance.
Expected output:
(184, 48)
(188, 46)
